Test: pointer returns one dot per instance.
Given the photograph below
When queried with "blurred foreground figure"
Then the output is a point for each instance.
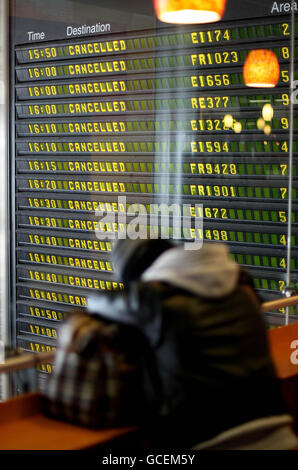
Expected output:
(201, 316)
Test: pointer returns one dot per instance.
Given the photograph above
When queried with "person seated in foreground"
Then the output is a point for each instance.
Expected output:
(201, 315)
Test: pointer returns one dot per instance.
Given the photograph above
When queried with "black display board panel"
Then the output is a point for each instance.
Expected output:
(138, 111)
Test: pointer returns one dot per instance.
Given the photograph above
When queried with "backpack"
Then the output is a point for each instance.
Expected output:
(98, 373)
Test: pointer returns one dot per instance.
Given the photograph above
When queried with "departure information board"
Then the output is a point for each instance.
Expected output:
(142, 114)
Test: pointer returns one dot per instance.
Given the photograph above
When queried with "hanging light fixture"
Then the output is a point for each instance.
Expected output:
(267, 129)
(267, 112)
(228, 120)
(189, 11)
(261, 69)
(260, 123)
(237, 127)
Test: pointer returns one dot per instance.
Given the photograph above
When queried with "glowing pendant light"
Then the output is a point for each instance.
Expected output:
(261, 69)
(189, 11)
(267, 112)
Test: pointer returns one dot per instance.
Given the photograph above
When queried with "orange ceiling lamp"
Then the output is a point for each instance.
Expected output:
(189, 11)
(261, 69)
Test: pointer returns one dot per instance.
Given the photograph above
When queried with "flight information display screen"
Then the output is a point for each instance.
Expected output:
(143, 114)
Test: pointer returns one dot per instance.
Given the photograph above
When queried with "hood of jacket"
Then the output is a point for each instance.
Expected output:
(208, 272)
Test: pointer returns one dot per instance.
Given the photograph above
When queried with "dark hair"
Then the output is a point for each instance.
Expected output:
(132, 257)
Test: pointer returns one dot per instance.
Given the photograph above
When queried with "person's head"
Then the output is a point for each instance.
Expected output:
(132, 257)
